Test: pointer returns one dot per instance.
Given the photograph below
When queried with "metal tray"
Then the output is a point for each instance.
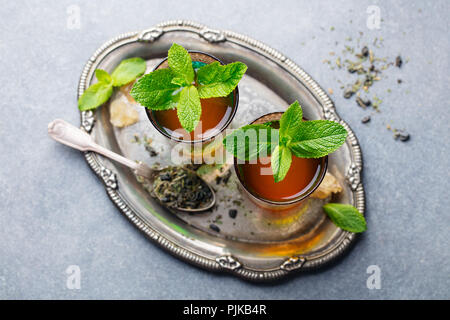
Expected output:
(256, 245)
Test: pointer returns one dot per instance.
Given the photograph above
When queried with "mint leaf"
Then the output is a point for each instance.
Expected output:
(128, 70)
(103, 76)
(216, 80)
(189, 108)
(181, 65)
(291, 120)
(95, 96)
(248, 142)
(156, 90)
(281, 162)
(317, 138)
(346, 217)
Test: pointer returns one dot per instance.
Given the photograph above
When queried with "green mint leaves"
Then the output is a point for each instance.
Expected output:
(189, 108)
(95, 95)
(251, 141)
(304, 139)
(184, 83)
(281, 162)
(317, 138)
(103, 76)
(216, 80)
(156, 90)
(291, 120)
(181, 65)
(99, 93)
(346, 217)
(128, 70)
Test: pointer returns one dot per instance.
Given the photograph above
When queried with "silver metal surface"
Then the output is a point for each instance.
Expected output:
(256, 245)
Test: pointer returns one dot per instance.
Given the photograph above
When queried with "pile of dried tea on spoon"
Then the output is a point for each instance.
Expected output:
(180, 187)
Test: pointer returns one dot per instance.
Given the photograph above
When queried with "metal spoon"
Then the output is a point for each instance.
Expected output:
(67, 134)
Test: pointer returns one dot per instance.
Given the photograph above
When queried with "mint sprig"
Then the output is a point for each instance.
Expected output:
(295, 137)
(346, 217)
(99, 93)
(184, 83)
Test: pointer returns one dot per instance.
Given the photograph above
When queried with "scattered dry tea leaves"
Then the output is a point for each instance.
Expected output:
(399, 134)
(367, 68)
(147, 143)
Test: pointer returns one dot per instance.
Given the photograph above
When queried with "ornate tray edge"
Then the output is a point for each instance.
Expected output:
(228, 263)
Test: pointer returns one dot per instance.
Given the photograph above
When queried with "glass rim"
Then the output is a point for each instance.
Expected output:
(208, 139)
(301, 197)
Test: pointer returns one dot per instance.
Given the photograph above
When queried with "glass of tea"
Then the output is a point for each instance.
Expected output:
(257, 180)
(217, 114)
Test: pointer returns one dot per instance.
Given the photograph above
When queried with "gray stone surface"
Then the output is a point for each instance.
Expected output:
(55, 213)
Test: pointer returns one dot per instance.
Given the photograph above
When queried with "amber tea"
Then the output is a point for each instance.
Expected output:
(215, 115)
(258, 178)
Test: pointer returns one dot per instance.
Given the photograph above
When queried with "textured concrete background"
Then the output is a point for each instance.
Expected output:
(55, 213)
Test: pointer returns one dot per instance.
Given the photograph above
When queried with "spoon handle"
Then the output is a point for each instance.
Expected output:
(67, 134)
